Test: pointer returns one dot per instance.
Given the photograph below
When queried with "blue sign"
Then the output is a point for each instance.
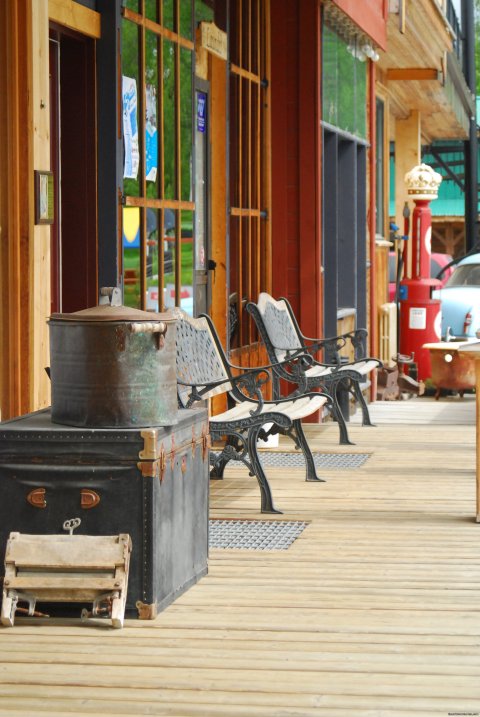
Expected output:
(201, 111)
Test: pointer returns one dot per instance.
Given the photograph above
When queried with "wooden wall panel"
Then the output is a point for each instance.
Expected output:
(16, 192)
(309, 235)
(39, 268)
(296, 161)
(285, 153)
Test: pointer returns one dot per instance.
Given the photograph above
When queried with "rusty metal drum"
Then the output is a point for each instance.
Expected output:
(113, 366)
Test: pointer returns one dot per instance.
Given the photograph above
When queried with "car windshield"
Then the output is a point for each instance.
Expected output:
(466, 275)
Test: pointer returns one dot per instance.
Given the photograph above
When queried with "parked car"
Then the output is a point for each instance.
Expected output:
(460, 299)
(437, 263)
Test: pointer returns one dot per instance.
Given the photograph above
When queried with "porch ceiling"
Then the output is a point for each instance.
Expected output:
(418, 76)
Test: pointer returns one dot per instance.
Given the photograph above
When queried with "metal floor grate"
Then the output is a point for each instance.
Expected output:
(254, 534)
(322, 460)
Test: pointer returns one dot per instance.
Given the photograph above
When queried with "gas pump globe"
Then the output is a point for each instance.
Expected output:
(420, 318)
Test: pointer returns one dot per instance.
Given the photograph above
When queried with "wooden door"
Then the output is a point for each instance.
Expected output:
(73, 161)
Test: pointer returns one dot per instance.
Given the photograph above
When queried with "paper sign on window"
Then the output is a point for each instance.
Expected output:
(151, 134)
(130, 127)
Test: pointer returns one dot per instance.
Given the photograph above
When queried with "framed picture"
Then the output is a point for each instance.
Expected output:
(44, 197)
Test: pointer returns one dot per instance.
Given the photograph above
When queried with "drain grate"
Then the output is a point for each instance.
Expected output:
(254, 534)
(322, 460)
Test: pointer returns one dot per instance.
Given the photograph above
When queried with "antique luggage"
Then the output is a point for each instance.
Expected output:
(150, 483)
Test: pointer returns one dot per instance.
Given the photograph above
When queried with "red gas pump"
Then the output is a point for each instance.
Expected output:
(420, 318)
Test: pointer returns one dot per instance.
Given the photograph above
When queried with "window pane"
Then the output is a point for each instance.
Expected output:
(132, 4)
(152, 43)
(186, 29)
(361, 98)
(186, 122)
(151, 10)
(131, 256)
(346, 88)
(169, 223)
(330, 76)
(380, 172)
(203, 11)
(153, 259)
(130, 70)
(169, 118)
(186, 298)
(168, 14)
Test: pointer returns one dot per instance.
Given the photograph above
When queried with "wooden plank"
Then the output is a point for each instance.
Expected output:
(412, 73)
(50, 551)
(373, 609)
(76, 17)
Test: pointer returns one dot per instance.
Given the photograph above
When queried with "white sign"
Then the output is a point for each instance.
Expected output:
(417, 318)
(151, 134)
(130, 127)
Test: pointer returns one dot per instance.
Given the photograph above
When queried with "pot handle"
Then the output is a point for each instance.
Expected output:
(144, 327)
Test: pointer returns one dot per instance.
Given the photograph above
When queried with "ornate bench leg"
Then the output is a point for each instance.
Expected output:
(267, 505)
(301, 441)
(338, 416)
(366, 420)
(220, 461)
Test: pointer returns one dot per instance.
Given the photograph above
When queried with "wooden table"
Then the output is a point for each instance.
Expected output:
(473, 351)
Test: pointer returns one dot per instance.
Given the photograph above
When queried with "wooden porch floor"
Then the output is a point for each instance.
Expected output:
(374, 609)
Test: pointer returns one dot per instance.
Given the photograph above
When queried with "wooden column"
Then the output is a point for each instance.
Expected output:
(217, 73)
(25, 249)
(310, 163)
(16, 193)
(40, 261)
(408, 153)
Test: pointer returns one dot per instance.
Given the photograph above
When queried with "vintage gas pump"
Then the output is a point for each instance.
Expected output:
(420, 316)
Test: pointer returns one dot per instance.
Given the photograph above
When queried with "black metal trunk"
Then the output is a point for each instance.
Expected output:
(150, 483)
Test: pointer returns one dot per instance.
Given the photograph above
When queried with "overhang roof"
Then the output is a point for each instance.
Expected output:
(421, 71)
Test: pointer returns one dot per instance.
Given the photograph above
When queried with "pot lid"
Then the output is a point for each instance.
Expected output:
(110, 309)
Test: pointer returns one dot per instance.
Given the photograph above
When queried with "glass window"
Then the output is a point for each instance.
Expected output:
(131, 74)
(169, 119)
(466, 275)
(151, 10)
(131, 257)
(157, 129)
(380, 173)
(204, 11)
(344, 84)
(168, 18)
(152, 43)
(186, 138)
(186, 15)
(132, 5)
(330, 76)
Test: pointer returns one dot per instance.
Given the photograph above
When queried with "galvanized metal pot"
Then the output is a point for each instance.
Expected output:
(113, 366)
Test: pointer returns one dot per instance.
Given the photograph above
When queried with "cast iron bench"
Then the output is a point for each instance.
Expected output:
(283, 340)
(204, 371)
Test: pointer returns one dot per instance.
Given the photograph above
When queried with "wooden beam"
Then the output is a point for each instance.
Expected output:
(413, 73)
(75, 16)
(15, 214)
(39, 249)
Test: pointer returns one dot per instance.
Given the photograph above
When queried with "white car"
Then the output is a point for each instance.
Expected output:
(460, 299)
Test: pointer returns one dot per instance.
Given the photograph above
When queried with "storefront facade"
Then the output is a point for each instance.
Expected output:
(193, 152)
